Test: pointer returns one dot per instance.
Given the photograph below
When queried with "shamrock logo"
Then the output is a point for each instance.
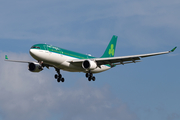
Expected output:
(111, 50)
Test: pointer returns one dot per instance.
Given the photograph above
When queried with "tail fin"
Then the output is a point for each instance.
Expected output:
(110, 50)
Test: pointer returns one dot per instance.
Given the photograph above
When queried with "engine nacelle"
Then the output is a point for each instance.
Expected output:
(35, 67)
(89, 65)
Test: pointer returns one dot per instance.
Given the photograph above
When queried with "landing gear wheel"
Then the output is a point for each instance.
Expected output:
(58, 80)
(62, 79)
(55, 76)
(93, 78)
(89, 78)
(87, 75)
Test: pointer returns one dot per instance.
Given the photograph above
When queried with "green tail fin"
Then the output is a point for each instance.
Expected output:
(110, 50)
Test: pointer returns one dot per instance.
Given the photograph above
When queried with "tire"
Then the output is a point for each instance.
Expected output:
(62, 79)
(89, 78)
(93, 78)
(55, 76)
(87, 75)
(58, 80)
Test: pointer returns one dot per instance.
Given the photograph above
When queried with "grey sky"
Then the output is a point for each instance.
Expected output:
(136, 22)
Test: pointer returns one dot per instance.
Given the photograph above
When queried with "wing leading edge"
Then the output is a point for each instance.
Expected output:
(119, 60)
(19, 61)
(6, 59)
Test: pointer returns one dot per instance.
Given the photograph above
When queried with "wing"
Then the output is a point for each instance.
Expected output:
(6, 59)
(43, 64)
(119, 60)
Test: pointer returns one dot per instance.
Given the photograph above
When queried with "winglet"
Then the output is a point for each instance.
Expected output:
(6, 57)
(173, 49)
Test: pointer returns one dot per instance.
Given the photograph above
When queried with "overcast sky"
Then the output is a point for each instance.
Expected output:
(148, 90)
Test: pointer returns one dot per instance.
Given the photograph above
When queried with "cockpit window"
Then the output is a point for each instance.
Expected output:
(35, 47)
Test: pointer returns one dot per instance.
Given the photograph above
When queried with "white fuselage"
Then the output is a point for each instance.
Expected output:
(60, 61)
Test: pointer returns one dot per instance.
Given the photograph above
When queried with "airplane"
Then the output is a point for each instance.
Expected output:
(62, 59)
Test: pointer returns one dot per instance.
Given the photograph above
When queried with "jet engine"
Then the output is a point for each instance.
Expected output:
(89, 65)
(35, 67)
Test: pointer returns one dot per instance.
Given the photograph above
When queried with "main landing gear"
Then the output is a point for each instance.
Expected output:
(90, 76)
(58, 76)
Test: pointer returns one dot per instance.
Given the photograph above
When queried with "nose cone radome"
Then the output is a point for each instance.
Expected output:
(32, 52)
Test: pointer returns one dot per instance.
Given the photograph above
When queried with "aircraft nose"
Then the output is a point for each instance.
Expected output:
(31, 51)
